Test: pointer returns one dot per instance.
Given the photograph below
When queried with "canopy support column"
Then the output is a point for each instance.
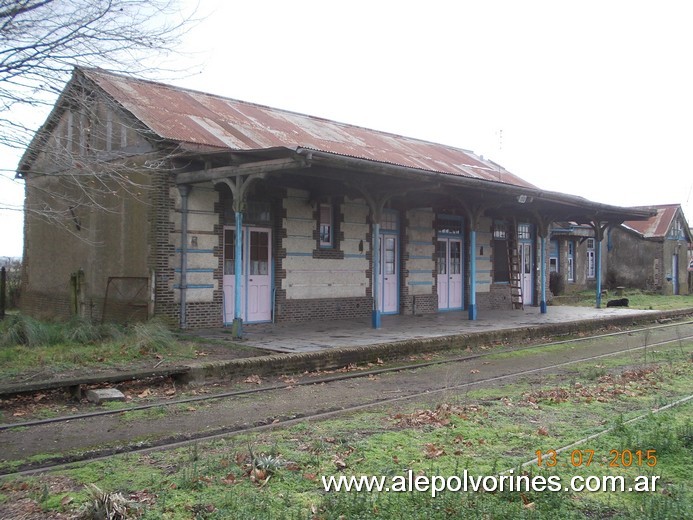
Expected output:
(239, 185)
(599, 230)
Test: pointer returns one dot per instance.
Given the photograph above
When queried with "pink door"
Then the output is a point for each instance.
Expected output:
(229, 274)
(449, 279)
(455, 274)
(389, 275)
(259, 293)
(256, 276)
(526, 274)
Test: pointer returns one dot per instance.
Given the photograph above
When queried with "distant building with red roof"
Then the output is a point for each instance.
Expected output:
(651, 254)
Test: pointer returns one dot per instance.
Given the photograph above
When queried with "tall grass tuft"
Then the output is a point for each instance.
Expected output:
(152, 336)
(84, 332)
(23, 330)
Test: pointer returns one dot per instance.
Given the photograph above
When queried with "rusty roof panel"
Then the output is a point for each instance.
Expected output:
(188, 116)
(658, 225)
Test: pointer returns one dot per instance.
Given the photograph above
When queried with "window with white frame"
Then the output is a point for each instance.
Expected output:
(553, 256)
(500, 230)
(591, 263)
(524, 231)
(571, 261)
(326, 226)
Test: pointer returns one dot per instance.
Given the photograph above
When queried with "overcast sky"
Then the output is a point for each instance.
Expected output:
(591, 98)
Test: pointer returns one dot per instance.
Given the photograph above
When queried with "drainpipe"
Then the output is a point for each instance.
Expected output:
(184, 190)
(472, 275)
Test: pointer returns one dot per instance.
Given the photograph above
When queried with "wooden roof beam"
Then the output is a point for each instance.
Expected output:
(223, 172)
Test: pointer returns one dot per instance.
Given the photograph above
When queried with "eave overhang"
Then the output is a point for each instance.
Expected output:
(498, 196)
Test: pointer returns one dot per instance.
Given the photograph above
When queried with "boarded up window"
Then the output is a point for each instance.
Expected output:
(501, 265)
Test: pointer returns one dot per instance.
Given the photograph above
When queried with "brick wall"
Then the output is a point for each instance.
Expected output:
(314, 284)
(45, 305)
(162, 248)
(498, 298)
(417, 281)
(323, 309)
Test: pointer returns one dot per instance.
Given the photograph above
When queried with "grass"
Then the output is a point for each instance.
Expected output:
(278, 474)
(28, 345)
(637, 299)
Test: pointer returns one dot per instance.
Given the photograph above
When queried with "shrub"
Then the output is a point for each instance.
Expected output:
(556, 284)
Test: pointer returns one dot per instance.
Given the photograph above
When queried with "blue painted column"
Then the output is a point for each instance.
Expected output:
(472, 275)
(598, 268)
(376, 318)
(237, 327)
(184, 193)
(542, 306)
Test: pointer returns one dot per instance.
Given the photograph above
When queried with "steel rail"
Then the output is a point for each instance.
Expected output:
(172, 443)
(329, 379)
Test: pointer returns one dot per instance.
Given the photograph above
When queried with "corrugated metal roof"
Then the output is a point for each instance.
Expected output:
(188, 116)
(656, 226)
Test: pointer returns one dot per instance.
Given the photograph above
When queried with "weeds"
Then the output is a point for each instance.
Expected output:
(22, 330)
(152, 336)
(106, 506)
(28, 344)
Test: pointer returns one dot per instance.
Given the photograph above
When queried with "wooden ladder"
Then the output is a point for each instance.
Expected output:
(515, 277)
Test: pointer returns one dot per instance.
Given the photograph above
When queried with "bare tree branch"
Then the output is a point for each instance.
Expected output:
(41, 41)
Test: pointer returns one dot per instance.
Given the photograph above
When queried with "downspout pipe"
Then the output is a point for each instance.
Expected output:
(184, 190)
(472, 275)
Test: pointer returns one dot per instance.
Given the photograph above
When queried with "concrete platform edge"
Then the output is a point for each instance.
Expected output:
(328, 359)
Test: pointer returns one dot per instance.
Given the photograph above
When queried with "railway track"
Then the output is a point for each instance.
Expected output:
(646, 338)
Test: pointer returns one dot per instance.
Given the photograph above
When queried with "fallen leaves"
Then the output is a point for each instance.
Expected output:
(439, 417)
(253, 380)
(629, 383)
(339, 462)
(432, 451)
